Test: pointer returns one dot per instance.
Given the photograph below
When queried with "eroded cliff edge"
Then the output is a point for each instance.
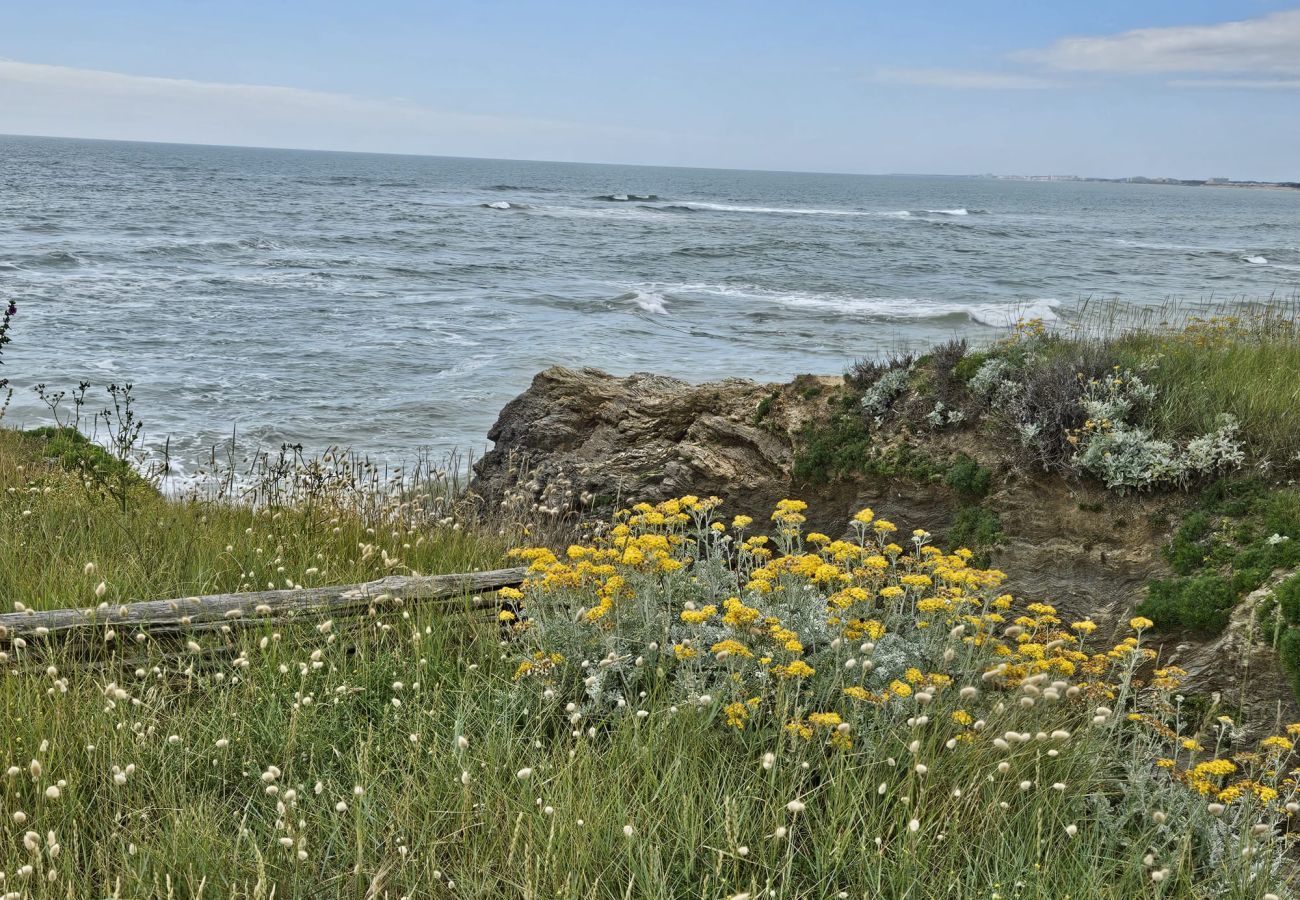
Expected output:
(580, 441)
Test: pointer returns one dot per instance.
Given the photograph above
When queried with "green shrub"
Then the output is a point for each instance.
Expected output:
(1186, 552)
(833, 449)
(1288, 652)
(1287, 595)
(977, 529)
(969, 364)
(78, 453)
(968, 478)
(1201, 603)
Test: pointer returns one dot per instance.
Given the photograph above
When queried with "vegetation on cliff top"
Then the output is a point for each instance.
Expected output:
(1209, 408)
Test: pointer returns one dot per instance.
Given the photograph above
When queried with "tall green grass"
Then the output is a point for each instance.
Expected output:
(1211, 359)
(60, 538)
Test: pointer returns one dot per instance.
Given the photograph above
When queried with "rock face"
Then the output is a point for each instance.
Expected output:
(584, 440)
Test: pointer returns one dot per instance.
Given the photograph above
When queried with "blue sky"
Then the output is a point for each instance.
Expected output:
(1184, 88)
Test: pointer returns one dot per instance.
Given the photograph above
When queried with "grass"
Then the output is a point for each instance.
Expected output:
(399, 756)
(53, 522)
(1249, 367)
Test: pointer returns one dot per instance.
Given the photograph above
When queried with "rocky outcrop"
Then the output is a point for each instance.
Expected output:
(584, 441)
(583, 438)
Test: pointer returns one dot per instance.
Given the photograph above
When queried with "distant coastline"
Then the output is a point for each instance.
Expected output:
(1141, 179)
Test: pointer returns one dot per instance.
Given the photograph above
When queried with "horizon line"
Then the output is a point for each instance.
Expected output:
(1045, 178)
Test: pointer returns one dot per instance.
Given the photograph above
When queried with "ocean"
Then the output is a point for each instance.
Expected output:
(389, 304)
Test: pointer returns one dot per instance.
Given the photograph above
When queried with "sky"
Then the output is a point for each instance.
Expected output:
(1184, 88)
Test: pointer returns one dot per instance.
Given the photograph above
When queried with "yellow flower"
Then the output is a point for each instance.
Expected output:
(1276, 743)
(1139, 623)
(961, 717)
(796, 669)
(737, 714)
(864, 516)
(738, 613)
(824, 719)
(799, 729)
(1214, 767)
(732, 648)
(698, 616)
(741, 522)
(681, 651)
(900, 688)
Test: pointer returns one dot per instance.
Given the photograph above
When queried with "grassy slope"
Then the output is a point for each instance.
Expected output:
(51, 526)
(378, 706)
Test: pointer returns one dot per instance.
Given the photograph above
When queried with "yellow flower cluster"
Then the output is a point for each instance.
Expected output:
(789, 624)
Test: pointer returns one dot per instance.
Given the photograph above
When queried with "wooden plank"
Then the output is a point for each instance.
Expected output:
(217, 610)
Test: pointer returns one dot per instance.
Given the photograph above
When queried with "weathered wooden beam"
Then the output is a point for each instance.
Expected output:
(217, 610)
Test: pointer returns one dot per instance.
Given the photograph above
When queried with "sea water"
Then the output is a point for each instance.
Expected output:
(392, 303)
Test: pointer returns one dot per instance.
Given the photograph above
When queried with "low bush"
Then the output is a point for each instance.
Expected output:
(833, 449)
(1201, 603)
(968, 478)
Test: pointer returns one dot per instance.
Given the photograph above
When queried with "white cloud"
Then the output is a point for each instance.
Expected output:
(1238, 84)
(1264, 45)
(60, 100)
(962, 79)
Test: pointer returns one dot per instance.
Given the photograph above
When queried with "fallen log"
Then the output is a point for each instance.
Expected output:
(218, 610)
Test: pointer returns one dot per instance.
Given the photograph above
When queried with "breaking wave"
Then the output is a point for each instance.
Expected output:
(995, 315)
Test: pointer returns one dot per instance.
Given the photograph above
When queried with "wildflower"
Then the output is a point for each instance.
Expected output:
(796, 669)
(698, 616)
(628, 831)
(795, 807)
(737, 714)
(731, 647)
(524, 773)
(1140, 623)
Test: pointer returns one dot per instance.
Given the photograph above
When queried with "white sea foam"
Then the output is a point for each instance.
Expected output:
(959, 211)
(779, 210)
(1255, 260)
(649, 300)
(497, 204)
(993, 315)
(1006, 315)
